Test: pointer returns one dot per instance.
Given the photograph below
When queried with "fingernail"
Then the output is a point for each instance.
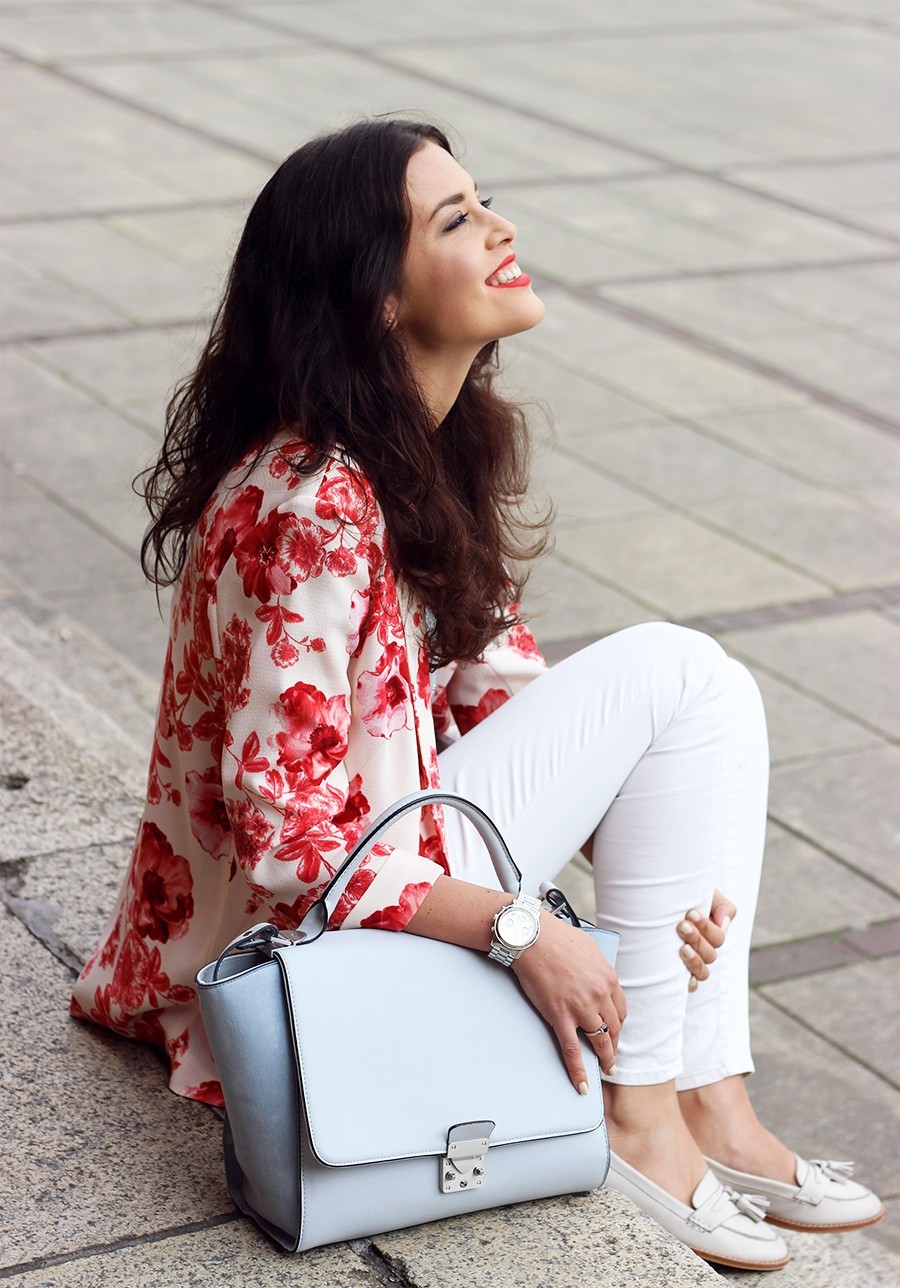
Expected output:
(685, 928)
(694, 915)
(693, 984)
(582, 1088)
(726, 922)
(611, 1070)
(688, 953)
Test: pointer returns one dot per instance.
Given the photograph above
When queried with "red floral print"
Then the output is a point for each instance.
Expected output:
(208, 1093)
(294, 710)
(206, 808)
(230, 523)
(162, 882)
(468, 717)
(315, 733)
(397, 916)
(253, 834)
(237, 639)
(343, 497)
(384, 694)
(261, 560)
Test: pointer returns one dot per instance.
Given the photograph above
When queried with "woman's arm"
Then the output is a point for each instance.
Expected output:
(564, 974)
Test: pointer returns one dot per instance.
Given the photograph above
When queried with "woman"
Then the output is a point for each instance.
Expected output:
(337, 496)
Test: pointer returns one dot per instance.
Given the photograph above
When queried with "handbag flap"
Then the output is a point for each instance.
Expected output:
(398, 1038)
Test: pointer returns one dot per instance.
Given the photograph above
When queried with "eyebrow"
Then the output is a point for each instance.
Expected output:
(455, 200)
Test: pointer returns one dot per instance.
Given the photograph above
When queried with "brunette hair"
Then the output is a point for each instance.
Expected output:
(299, 340)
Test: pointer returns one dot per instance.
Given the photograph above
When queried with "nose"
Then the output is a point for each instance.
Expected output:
(502, 230)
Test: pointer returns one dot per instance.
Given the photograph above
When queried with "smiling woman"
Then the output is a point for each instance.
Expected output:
(338, 498)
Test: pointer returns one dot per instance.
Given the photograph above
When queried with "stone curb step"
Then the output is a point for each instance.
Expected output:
(73, 752)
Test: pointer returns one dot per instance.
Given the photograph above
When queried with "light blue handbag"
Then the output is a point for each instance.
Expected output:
(374, 1080)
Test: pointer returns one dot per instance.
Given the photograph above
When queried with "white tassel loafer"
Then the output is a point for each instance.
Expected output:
(824, 1200)
(719, 1226)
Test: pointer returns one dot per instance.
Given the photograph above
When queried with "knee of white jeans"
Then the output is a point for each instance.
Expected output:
(682, 641)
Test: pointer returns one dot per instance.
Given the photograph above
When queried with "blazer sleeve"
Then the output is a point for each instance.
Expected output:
(291, 611)
(508, 663)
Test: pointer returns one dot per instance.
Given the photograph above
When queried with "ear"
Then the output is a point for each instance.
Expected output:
(391, 306)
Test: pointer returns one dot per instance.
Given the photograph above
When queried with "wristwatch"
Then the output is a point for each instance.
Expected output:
(515, 928)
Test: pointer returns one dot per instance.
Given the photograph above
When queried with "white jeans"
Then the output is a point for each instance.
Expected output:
(653, 743)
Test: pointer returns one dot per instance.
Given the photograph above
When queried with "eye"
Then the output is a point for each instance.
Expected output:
(463, 217)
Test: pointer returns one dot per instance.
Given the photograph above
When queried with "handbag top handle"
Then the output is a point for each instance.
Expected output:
(317, 916)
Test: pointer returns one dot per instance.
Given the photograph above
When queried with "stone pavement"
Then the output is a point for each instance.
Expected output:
(706, 194)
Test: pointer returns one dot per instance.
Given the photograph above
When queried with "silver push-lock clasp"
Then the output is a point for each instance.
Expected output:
(462, 1167)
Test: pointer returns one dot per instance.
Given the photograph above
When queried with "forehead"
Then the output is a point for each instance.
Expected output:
(433, 175)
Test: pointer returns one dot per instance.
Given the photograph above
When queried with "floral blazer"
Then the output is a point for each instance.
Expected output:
(296, 705)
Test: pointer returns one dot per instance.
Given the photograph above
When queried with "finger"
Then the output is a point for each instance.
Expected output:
(723, 911)
(693, 984)
(703, 936)
(570, 1047)
(618, 1001)
(604, 1045)
(695, 963)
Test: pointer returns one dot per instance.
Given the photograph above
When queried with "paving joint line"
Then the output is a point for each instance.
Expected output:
(492, 100)
(825, 1037)
(715, 176)
(101, 332)
(751, 270)
(116, 1245)
(807, 945)
(63, 503)
(120, 212)
(141, 109)
(777, 375)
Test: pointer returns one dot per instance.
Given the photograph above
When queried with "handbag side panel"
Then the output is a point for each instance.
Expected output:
(245, 1016)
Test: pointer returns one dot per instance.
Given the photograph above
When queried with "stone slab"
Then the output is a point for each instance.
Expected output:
(562, 602)
(581, 493)
(54, 550)
(224, 1256)
(865, 998)
(801, 726)
(846, 804)
(94, 1144)
(127, 620)
(133, 372)
(881, 940)
(804, 892)
(821, 444)
(73, 777)
(820, 1100)
(65, 899)
(598, 1239)
(847, 661)
(680, 568)
(133, 281)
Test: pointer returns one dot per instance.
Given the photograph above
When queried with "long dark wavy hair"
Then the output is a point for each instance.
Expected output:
(300, 341)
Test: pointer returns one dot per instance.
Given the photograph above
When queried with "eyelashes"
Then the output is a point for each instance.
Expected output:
(463, 217)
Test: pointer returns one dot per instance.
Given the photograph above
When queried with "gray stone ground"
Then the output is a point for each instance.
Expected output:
(706, 192)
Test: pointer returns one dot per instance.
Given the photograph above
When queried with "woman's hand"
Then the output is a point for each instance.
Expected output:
(703, 936)
(572, 986)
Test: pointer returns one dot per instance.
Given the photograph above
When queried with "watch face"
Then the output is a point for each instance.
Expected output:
(516, 927)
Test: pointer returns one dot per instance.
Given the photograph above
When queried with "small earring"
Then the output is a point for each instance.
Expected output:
(390, 322)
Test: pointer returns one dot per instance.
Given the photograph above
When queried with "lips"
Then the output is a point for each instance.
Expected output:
(508, 274)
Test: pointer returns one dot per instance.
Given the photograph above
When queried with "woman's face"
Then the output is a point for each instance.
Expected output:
(462, 286)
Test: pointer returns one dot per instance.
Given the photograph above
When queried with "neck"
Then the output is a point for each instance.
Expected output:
(440, 376)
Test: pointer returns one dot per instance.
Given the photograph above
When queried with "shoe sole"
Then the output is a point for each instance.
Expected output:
(740, 1265)
(824, 1229)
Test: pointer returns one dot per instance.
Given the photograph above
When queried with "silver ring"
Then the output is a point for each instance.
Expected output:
(604, 1029)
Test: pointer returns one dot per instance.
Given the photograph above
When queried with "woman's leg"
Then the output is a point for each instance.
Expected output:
(633, 731)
